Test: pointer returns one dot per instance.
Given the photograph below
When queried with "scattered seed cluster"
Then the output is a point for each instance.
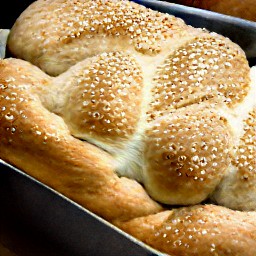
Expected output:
(16, 118)
(180, 238)
(146, 28)
(204, 67)
(199, 230)
(106, 97)
(8, 111)
(246, 152)
(190, 150)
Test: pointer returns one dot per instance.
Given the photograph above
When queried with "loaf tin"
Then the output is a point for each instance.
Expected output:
(77, 231)
(74, 229)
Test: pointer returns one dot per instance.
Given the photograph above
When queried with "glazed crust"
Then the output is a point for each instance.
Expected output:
(197, 230)
(130, 117)
(39, 143)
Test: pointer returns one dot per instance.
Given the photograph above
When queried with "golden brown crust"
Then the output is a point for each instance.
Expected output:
(199, 230)
(245, 159)
(39, 143)
(170, 127)
(80, 34)
(202, 68)
(105, 98)
(187, 153)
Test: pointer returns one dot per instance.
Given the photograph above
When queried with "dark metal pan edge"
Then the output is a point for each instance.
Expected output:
(59, 217)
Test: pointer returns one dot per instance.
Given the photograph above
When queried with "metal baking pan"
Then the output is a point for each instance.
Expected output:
(73, 228)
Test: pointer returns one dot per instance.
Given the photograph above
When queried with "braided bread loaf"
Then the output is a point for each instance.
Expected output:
(126, 110)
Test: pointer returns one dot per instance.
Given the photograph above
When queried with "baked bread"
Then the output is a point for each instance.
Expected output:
(130, 113)
(245, 9)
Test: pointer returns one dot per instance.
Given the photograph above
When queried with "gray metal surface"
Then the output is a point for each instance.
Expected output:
(74, 229)
(240, 31)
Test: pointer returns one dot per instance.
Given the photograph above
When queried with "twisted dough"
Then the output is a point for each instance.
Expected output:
(102, 96)
(39, 142)
(197, 230)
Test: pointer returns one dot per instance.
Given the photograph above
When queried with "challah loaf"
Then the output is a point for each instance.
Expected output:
(126, 110)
